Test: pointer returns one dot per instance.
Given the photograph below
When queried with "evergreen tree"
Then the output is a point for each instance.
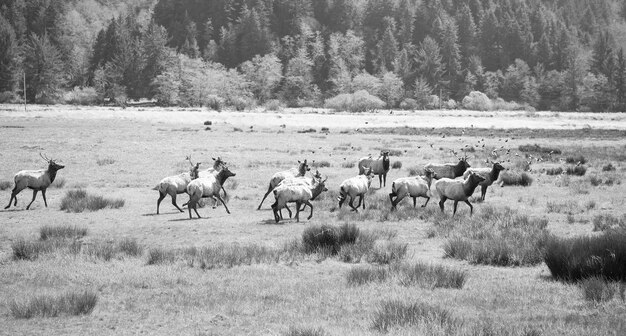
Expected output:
(429, 63)
(620, 81)
(467, 34)
(264, 73)
(602, 61)
(422, 92)
(490, 44)
(157, 56)
(446, 30)
(8, 54)
(405, 18)
(544, 52)
(298, 89)
(387, 47)
(43, 68)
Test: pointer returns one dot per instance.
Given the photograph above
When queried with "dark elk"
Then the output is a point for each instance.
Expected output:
(35, 180)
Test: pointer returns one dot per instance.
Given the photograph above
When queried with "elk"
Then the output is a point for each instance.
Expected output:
(457, 190)
(490, 175)
(380, 166)
(297, 193)
(177, 184)
(353, 187)
(207, 187)
(417, 186)
(35, 180)
(301, 180)
(449, 170)
(303, 167)
(217, 166)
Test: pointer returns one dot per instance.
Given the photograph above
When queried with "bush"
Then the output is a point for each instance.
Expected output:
(105, 161)
(81, 96)
(79, 201)
(576, 170)
(10, 97)
(409, 104)
(573, 259)
(320, 164)
(477, 100)
(397, 314)
(608, 167)
(396, 165)
(554, 171)
(597, 289)
(274, 105)
(61, 231)
(130, 247)
(347, 164)
(160, 256)
(539, 149)
(4, 185)
(576, 159)
(499, 237)
(70, 303)
(360, 101)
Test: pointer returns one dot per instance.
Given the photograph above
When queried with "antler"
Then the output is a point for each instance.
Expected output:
(44, 157)
(188, 158)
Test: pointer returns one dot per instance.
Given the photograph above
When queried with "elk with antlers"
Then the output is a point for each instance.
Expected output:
(35, 180)
(177, 184)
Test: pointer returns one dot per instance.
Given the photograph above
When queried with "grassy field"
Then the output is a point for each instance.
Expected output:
(131, 271)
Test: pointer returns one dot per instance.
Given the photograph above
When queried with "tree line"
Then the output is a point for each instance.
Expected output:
(534, 54)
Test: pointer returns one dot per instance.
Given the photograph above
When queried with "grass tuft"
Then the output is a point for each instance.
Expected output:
(597, 289)
(130, 247)
(576, 170)
(574, 259)
(79, 200)
(101, 250)
(539, 149)
(70, 303)
(61, 231)
(512, 178)
(105, 161)
(397, 314)
(293, 331)
(431, 276)
(363, 275)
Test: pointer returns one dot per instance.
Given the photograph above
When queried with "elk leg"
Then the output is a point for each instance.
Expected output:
(311, 205)
(43, 193)
(385, 179)
(414, 201)
(427, 199)
(483, 192)
(362, 199)
(455, 204)
(471, 207)
(298, 212)
(269, 190)
(380, 181)
(441, 201)
(351, 204)
(276, 217)
(174, 202)
(221, 200)
(161, 197)
(31, 202)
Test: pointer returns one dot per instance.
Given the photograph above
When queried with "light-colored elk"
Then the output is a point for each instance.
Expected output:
(300, 180)
(207, 187)
(490, 175)
(217, 166)
(380, 166)
(449, 170)
(353, 187)
(457, 190)
(35, 180)
(415, 186)
(302, 193)
(177, 184)
(303, 167)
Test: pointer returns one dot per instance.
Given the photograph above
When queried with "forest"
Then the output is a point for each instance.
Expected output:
(355, 55)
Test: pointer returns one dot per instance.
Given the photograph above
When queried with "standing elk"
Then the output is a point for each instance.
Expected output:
(415, 186)
(449, 170)
(35, 180)
(457, 190)
(300, 180)
(207, 187)
(380, 167)
(177, 184)
(218, 164)
(490, 175)
(353, 187)
(303, 167)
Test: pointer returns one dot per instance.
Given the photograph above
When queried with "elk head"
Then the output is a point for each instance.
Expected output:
(52, 165)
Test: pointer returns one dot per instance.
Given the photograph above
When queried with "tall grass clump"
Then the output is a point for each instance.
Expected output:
(365, 274)
(4, 185)
(231, 255)
(539, 149)
(105, 161)
(79, 200)
(513, 178)
(31, 250)
(499, 237)
(574, 259)
(130, 247)
(396, 165)
(392, 314)
(103, 250)
(70, 303)
(431, 276)
(604, 222)
(576, 159)
(597, 289)
(61, 231)
(158, 256)
(387, 253)
(330, 238)
(576, 170)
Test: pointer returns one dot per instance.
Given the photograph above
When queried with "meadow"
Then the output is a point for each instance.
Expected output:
(120, 269)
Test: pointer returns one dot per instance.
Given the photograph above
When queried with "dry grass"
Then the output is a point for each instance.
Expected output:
(70, 303)
(79, 200)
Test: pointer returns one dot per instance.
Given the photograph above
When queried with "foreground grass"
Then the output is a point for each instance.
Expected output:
(48, 305)
(61, 231)
(79, 201)
(418, 274)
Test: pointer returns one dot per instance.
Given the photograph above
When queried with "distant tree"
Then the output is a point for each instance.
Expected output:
(298, 89)
(429, 63)
(544, 52)
(467, 34)
(575, 71)
(391, 89)
(515, 78)
(602, 61)
(264, 73)
(157, 56)
(490, 42)
(387, 47)
(43, 68)
(242, 41)
(422, 92)
(367, 82)
(446, 35)
(405, 18)
(8, 54)
(620, 81)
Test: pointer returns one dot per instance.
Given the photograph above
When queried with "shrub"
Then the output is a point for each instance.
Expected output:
(347, 164)
(81, 96)
(274, 105)
(477, 100)
(604, 222)
(510, 178)
(608, 167)
(431, 276)
(576, 170)
(409, 104)
(130, 247)
(101, 250)
(79, 200)
(105, 161)
(539, 149)
(573, 259)
(360, 101)
(396, 165)
(61, 231)
(595, 180)
(576, 159)
(397, 313)
(414, 171)
(597, 289)
(554, 171)
(388, 253)
(31, 250)
(70, 303)
(4, 185)
(500, 237)
(160, 256)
